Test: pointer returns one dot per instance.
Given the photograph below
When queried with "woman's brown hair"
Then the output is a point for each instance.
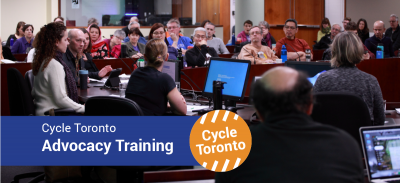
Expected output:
(89, 48)
(325, 21)
(155, 52)
(155, 27)
(46, 47)
(19, 25)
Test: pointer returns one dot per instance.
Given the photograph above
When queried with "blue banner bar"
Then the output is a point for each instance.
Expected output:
(96, 141)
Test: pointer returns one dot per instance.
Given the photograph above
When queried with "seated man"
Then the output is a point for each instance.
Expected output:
(213, 41)
(74, 61)
(378, 38)
(175, 40)
(345, 21)
(141, 38)
(296, 48)
(328, 38)
(200, 55)
(393, 31)
(257, 53)
(288, 146)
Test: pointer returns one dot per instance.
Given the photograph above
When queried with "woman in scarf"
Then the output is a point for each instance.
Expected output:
(100, 48)
(54, 85)
(325, 29)
(267, 40)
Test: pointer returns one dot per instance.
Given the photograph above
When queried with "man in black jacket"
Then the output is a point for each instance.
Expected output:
(328, 38)
(200, 54)
(289, 146)
(393, 32)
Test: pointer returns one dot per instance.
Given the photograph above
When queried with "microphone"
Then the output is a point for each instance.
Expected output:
(205, 59)
(191, 80)
(251, 55)
(293, 50)
(123, 54)
(122, 61)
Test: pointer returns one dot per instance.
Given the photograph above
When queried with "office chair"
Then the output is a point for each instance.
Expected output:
(343, 110)
(111, 106)
(20, 98)
(29, 79)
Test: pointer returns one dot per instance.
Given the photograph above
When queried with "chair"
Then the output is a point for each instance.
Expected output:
(111, 106)
(21, 101)
(29, 79)
(343, 110)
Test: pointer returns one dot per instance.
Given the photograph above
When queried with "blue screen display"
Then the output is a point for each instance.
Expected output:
(233, 73)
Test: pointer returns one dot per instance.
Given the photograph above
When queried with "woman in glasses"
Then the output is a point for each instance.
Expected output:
(158, 31)
(199, 55)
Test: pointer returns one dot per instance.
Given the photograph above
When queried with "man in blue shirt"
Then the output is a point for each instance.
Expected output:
(378, 38)
(141, 38)
(175, 40)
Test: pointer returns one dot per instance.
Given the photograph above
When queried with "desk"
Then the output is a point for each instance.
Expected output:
(317, 54)
(387, 72)
(20, 57)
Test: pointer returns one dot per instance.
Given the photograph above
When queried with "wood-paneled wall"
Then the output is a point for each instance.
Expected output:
(306, 12)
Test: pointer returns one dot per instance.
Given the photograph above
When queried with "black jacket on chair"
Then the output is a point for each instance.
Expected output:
(323, 43)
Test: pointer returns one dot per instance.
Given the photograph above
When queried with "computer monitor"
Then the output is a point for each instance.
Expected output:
(310, 68)
(232, 71)
(171, 67)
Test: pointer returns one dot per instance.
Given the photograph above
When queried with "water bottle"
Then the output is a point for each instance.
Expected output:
(379, 53)
(308, 55)
(380, 45)
(283, 54)
(140, 63)
(11, 42)
(233, 39)
(398, 53)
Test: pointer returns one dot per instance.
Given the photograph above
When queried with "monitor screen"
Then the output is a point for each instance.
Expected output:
(232, 71)
(310, 68)
(171, 68)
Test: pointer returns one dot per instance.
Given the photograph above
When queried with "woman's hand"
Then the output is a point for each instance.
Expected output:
(105, 70)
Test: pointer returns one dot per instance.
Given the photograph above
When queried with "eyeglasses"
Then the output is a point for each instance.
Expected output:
(158, 33)
(289, 27)
(335, 29)
(121, 39)
(198, 36)
(172, 27)
(392, 21)
(255, 32)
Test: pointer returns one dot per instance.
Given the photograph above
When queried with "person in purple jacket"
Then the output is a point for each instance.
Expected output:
(24, 44)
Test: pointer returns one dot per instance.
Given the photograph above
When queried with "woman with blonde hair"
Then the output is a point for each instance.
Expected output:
(151, 89)
(347, 51)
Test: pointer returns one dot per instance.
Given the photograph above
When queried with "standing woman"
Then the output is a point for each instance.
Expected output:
(151, 89)
(94, 72)
(325, 29)
(158, 31)
(99, 47)
(54, 85)
(24, 44)
(18, 33)
(362, 30)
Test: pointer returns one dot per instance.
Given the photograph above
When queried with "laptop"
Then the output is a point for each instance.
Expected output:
(381, 148)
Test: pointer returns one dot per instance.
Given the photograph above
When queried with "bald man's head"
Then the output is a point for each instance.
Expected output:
(379, 29)
(76, 41)
(282, 90)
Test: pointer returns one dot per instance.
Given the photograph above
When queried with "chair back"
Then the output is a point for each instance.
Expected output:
(29, 79)
(343, 110)
(111, 106)
(19, 95)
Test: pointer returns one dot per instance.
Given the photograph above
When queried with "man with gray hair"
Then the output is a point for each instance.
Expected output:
(126, 29)
(393, 32)
(175, 40)
(201, 53)
(328, 38)
(141, 37)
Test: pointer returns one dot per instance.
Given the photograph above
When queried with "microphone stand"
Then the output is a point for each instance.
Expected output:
(251, 55)
(123, 61)
(294, 51)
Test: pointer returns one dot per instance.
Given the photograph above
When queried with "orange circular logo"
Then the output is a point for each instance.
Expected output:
(220, 140)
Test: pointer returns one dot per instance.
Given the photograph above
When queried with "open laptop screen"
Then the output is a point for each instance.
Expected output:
(381, 146)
